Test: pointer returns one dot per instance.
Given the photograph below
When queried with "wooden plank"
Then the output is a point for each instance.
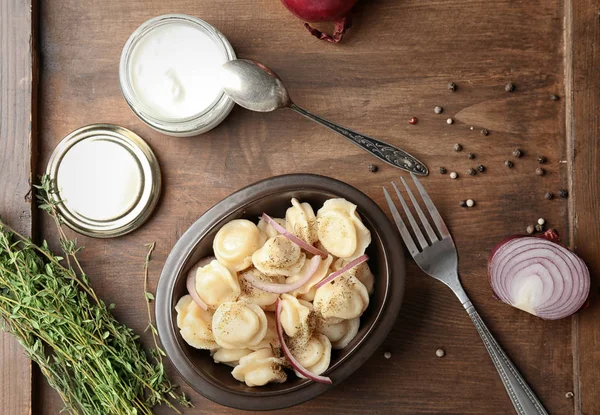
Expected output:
(394, 64)
(583, 31)
(17, 96)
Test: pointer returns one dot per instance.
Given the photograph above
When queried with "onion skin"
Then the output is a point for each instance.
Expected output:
(314, 11)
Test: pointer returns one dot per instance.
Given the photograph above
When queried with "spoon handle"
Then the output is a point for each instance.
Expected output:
(383, 151)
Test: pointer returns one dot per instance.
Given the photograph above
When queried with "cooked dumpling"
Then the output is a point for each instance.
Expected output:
(301, 221)
(342, 333)
(296, 319)
(279, 256)
(308, 290)
(362, 272)
(259, 368)
(252, 294)
(235, 242)
(215, 284)
(268, 230)
(341, 230)
(239, 325)
(229, 357)
(344, 298)
(270, 340)
(314, 355)
(195, 324)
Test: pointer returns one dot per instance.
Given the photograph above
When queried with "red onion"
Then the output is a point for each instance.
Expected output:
(286, 351)
(292, 237)
(191, 281)
(336, 11)
(347, 267)
(539, 276)
(272, 287)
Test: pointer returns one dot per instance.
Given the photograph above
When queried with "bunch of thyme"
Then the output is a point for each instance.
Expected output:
(94, 362)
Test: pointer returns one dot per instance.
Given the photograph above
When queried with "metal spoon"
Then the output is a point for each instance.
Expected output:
(257, 88)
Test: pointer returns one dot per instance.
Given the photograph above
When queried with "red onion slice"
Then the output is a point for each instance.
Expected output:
(354, 263)
(272, 287)
(295, 364)
(539, 276)
(191, 281)
(292, 237)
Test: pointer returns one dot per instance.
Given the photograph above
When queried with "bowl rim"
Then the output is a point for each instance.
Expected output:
(183, 248)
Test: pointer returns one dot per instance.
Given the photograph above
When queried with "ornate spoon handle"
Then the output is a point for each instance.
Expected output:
(383, 151)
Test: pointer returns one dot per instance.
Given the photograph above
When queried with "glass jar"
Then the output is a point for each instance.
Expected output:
(207, 117)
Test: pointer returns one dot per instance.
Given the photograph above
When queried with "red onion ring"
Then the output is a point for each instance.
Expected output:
(556, 278)
(286, 351)
(354, 263)
(292, 237)
(191, 281)
(272, 287)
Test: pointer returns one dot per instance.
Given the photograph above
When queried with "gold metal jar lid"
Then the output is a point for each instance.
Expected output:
(108, 180)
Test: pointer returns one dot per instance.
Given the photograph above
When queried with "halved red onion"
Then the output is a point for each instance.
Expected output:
(191, 281)
(539, 276)
(347, 267)
(286, 351)
(286, 288)
(292, 237)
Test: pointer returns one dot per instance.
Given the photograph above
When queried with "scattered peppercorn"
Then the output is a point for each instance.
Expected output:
(452, 86)
(471, 128)
(470, 203)
(457, 147)
(508, 164)
(373, 168)
(539, 228)
(413, 121)
(463, 203)
(449, 121)
(485, 132)
(453, 175)
(541, 221)
(554, 97)
(569, 395)
(549, 196)
(443, 170)
(440, 353)
(471, 172)
(564, 193)
(540, 172)
(387, 355)
(509, 87)
(530, 229)
(517, 153)
(470, 156)
(542, 159)
(438, 110)
(481, 168)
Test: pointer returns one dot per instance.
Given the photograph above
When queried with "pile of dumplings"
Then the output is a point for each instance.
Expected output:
(239, 326)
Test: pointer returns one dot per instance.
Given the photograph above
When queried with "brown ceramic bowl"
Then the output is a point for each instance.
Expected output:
(272, 196)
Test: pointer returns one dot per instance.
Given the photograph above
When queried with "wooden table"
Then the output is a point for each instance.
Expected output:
(58, 71)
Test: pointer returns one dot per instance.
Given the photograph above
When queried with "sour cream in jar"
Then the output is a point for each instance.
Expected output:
(169, 74)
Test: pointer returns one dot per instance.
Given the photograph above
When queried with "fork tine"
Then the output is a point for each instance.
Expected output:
(408, 241)
(432, 236)
(435, 215)
(411, 219)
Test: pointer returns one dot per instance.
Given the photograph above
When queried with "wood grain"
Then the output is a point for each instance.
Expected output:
(17, 154)
(583, 136)
(394, 64)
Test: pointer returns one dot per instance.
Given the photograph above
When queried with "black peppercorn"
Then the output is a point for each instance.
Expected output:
(540, 172)
(539, 228)
(509, 87)
(471, 172)
(508, 163)
(564, 193)
(373, 168)
(485, 132)
(517, 153)
(481, 168)
(443, 170)
(470, 156)
(554, 97)
(457, 147)
(452, 86)
(549, 196)
(463, 203)
(542, 159)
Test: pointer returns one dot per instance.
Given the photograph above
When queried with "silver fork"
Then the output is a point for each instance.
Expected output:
(438, 258)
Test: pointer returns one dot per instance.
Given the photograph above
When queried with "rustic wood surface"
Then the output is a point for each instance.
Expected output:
(394, 64)
(17, 97)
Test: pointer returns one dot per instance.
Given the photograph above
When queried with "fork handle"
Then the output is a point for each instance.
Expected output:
(521, 395)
